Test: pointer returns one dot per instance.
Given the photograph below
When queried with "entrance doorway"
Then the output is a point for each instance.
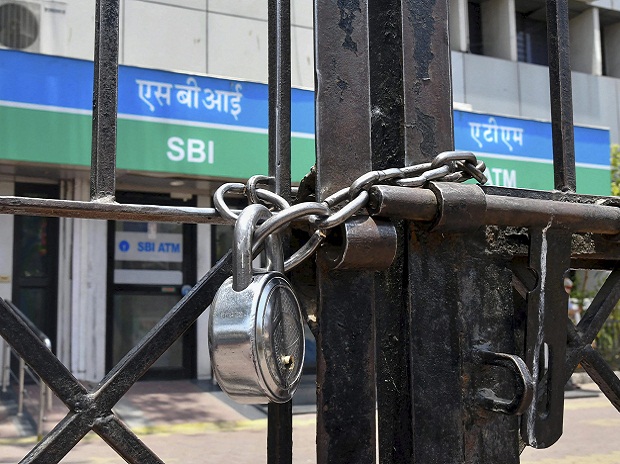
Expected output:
(152, 266)
(35, 263)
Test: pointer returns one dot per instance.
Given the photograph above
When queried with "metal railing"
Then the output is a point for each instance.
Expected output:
(6, 373)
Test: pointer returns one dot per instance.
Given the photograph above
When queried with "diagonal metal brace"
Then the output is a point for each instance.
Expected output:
(92, 410)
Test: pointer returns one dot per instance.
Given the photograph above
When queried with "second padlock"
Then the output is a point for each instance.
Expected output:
(256, 332)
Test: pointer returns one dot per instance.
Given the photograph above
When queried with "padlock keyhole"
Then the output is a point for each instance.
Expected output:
(288, 361)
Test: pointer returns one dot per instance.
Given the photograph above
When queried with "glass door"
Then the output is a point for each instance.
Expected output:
(35, 263)
(152, 268)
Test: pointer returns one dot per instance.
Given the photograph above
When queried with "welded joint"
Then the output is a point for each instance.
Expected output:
(460, 206)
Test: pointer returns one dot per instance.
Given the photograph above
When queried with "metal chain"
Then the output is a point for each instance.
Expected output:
(449, 166)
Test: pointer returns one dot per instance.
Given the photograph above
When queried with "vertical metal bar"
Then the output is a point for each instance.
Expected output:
(105, 95)
(446, 300)
(346, 398)
(558, 41)
(279, 23)
(427, 80)
(395, 428)
(434, 341)
(280, 416)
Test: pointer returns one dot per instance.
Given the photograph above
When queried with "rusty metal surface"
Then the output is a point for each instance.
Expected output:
(105, 96)
(345, 342)
(427, 79)
(394, 424)
(365, 244)
(561, 95)
(422, 205)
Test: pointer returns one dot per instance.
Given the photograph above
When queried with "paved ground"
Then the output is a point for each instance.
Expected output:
(184, 423)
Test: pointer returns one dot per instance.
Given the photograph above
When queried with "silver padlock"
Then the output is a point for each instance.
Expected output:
(256, 332)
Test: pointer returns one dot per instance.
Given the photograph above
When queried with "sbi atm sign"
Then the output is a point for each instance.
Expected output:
(140, 246)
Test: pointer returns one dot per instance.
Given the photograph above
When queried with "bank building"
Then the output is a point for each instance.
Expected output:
(192, 114)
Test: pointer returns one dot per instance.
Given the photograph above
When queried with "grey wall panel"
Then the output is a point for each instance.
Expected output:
(458, 82)
(534, 91)
(587, 100)
(491, 84)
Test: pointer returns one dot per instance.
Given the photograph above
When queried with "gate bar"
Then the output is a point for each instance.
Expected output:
(109, 211)
(560, 88)
(422, 205)
(394, 425)
(105, 96)
(346, 398)
(280, 416)
(433, 339)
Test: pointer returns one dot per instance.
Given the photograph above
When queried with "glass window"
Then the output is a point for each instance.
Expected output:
(531, 40)
(475, 28)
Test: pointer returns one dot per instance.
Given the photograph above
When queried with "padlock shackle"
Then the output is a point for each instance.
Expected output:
(243, 237)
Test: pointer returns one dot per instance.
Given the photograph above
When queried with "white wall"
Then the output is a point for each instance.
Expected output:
(203, 264)
(218, 37)
(6, 255)
(88, 316)
(80, 33)
(64, 341)
(6, 250)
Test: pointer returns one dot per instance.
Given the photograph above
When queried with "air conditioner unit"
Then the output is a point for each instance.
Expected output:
(20, 25)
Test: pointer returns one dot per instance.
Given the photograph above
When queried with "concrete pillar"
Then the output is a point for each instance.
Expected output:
(203, 264)
(499, 29)
(612, 45)
(459, 26)
(88, 316)
(585, 43)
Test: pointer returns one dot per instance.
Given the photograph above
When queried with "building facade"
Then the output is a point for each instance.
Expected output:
(95, 313)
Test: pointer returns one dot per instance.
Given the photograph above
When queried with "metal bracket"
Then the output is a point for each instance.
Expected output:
(545, 346)
(364, 243)
(461, 206)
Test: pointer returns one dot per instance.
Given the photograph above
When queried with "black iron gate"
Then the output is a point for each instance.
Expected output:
(461, 344)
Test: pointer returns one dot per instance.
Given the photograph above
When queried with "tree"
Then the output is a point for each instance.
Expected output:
(615, 170)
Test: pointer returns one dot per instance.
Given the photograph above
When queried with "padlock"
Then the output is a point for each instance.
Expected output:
(256, 332)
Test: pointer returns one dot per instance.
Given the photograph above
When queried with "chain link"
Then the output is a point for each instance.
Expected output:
(450, 166)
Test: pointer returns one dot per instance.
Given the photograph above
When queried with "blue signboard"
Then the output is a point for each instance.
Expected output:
(67, 83)
(513, 138)
(195, 125)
